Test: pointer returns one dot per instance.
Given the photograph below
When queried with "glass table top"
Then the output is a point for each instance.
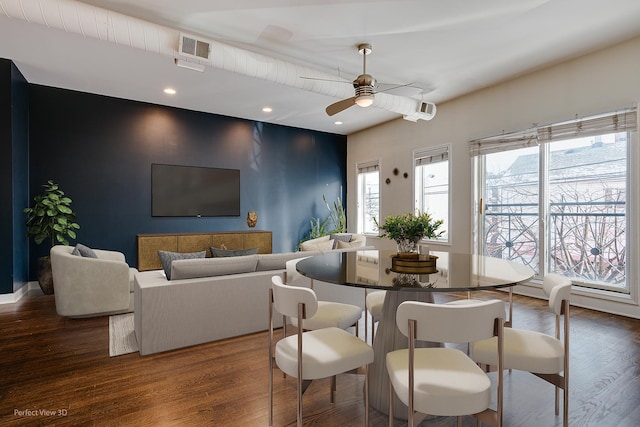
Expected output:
(374, 269)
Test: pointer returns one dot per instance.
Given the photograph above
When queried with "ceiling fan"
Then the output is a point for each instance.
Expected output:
(364, 85)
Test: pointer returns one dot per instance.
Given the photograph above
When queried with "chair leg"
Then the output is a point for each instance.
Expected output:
(366, 396)
(299, 417)
(284, 335)
(332, 397)
(565, 414)
(390, 404)
(373, 330)
(270, 358)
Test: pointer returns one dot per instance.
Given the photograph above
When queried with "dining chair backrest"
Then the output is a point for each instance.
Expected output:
(450, 323)
(286, 299)
(558, 289)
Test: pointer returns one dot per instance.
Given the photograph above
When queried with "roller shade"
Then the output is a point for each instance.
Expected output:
(431, 155)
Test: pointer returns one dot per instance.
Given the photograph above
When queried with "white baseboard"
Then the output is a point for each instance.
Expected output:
(17, 295)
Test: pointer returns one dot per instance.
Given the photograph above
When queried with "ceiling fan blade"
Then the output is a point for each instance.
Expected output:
(339, 106)
(393, 87)
(325, 80)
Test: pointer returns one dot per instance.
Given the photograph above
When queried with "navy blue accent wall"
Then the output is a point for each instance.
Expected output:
(14, 127)
(100, 150)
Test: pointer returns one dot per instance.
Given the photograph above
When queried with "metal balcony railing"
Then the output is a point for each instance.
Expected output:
(585, 240)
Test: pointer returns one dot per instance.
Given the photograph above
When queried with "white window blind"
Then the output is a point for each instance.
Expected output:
(505, 142)
(431, 155)
(624, 121)
(371, 166)
(611, 123)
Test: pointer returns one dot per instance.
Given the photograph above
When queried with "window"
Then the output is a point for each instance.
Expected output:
(556, 198)
(368, 196)
(431, 188)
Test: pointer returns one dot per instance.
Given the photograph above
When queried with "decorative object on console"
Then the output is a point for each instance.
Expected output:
(408, 229)
(50, 218)
(166, 258)
(252, 218)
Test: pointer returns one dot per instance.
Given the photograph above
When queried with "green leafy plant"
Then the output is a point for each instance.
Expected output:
(336, 219)
(409, 229)
(51, 217)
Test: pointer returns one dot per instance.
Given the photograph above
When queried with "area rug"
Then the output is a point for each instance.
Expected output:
(122, 337)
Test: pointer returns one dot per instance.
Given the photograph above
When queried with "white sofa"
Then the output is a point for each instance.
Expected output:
(209, 299)
(88, 287)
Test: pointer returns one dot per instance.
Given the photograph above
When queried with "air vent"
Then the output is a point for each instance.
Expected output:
(194, 47)
(427, 108)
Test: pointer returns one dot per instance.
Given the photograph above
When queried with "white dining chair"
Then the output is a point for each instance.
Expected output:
(329, 314)
(543, 355)
(444, 381)
(314, 354)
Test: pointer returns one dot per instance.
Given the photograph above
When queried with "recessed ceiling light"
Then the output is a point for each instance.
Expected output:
(267, 109)
(337, 123)
(170, 91)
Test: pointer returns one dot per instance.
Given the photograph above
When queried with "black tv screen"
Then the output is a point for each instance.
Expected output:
(194, 191)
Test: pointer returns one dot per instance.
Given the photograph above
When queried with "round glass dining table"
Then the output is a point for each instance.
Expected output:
(375, 270)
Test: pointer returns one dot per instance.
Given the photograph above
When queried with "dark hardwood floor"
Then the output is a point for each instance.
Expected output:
(57, 371)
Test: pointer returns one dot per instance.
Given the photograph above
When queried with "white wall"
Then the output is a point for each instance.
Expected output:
(604, 81)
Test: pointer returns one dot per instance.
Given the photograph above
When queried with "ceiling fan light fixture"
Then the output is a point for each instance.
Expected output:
(364, 100)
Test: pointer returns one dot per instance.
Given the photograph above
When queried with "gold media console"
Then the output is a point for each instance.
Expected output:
(150, 244)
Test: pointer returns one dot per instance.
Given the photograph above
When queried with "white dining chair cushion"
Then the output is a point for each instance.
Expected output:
(447, 381)
(331, 314)
(326, 352)
(524, 350)
(374, 303)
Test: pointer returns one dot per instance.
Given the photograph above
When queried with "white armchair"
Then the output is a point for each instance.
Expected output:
(334, 241)
(87, 287)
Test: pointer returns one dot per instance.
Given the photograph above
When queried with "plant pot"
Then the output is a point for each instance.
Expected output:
(408, 245)
(45, 276)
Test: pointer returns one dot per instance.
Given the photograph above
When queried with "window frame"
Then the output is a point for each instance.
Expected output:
(437, 150)
(373, 163)
(603, 299)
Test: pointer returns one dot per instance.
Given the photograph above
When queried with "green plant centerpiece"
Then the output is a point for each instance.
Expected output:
(409, 228)
(50, 219)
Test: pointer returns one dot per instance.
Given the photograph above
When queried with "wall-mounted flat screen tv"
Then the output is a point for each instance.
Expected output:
(194, 191)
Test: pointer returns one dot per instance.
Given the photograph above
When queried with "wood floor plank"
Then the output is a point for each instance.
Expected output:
(62, 367)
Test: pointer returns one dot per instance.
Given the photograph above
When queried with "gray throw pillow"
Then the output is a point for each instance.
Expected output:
(218, 253)
(166, 258)
(341, 237)
(84, 251)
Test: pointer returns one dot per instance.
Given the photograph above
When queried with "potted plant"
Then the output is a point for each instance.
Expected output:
(408, 229)
(336, 217)
(51, 219)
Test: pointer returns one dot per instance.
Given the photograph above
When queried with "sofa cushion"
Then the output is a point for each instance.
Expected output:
(218, 253)
(167, 258)
(209, 267)
(83, 251)
(277, 261)
(344, 245)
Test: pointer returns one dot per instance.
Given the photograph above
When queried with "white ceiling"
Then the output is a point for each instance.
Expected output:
(443, 48)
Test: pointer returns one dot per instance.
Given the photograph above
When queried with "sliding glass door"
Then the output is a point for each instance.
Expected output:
(558, 202)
